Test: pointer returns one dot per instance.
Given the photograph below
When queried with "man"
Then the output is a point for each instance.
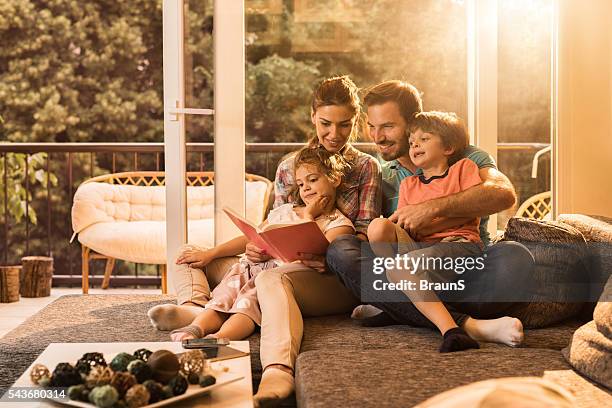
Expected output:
(391, 107)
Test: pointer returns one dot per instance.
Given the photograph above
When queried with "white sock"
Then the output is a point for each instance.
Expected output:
(275, 386)
(170, 317)
(504, 330)
(365, 311)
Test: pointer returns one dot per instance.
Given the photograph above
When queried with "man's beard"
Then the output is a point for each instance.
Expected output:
(401, 150)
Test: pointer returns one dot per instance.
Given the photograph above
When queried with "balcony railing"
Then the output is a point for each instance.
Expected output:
(76, 162)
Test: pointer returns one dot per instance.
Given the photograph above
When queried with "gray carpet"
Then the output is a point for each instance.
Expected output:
(77, 319)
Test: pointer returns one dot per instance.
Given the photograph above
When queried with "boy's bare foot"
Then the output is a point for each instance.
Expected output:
(170, 317)
(505, 330)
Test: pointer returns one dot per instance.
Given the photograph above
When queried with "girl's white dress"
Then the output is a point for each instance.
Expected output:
(236, 293)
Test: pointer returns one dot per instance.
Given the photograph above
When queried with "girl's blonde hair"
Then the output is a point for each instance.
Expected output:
(332, 165)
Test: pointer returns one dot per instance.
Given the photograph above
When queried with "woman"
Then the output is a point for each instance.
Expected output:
(305, 288)
(293, 289)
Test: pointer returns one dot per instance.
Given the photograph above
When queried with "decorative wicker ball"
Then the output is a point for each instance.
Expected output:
(156, 392)
(192, 361)
(143, 354)
(123, 381)
(89, 360)
(193, 378)
(44, 382)
(178, 385)
(120, 404)
(206, 380)
(167, 392)
(140, 370)
(75, 392)
(65, 375)
(104, 397)
(121, 361)
(99, 376)
(164, 364)
(137, 396)
(39, 371)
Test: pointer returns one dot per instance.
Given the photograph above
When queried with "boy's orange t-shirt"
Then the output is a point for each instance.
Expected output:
(459, 177)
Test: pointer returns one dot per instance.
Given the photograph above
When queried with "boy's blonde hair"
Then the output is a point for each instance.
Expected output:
(332, 165)
(448, 126)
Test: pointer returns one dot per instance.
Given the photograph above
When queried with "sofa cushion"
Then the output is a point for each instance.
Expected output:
(342, 332)
(405, 377)
(603, 311)
(590, 353)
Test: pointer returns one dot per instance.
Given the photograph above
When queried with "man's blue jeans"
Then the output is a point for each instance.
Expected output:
(488, 294)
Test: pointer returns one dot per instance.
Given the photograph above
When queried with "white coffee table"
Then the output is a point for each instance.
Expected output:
(238, 394)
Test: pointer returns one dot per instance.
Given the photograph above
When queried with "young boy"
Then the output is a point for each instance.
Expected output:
(436, 142)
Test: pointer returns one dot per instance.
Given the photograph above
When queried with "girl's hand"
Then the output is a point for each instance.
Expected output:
(195, 256)
(316, 207)
(256, 254)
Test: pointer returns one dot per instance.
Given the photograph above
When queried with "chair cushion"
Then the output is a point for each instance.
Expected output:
(141, 241)
(128, 222)
(104, 202)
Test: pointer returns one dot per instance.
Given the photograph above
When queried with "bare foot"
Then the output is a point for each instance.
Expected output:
(505, 330)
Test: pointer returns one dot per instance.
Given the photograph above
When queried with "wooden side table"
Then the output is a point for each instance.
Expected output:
(9, 283)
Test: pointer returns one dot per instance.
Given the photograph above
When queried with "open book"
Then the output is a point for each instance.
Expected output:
(283, 241)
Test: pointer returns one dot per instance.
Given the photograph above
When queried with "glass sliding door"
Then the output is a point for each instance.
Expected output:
(203, 66)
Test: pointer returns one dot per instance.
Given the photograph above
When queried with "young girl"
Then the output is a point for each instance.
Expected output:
(233, 310)
(436, 142)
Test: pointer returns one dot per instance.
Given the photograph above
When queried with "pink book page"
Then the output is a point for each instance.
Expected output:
(286, 242)
(291, 240)
(250, 232)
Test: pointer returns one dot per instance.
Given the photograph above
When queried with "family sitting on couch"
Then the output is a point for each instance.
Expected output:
(435, 192)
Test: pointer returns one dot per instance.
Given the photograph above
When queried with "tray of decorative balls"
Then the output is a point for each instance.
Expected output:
(139, 379)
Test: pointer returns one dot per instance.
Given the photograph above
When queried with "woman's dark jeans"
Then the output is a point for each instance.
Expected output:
(506, 282)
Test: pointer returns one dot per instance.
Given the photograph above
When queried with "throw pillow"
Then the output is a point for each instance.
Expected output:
(560, 270)
(590, 350)
(590, 353)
